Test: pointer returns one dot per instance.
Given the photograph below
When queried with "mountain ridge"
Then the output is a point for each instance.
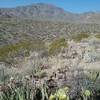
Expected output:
(49, 12)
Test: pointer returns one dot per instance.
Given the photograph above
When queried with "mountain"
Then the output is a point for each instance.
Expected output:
(90, 17)
(48, 12)
(38, 11)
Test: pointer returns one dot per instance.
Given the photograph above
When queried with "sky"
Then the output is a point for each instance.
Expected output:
(76, 6)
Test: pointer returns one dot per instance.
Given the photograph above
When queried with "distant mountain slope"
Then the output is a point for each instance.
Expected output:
(37, 11)
(49, 12)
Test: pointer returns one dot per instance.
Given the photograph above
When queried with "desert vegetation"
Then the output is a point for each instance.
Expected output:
(79, 37)
(56, 45)
(49, 54)
(22, 48)
(62, 70)
(34, 88)
(97, 36)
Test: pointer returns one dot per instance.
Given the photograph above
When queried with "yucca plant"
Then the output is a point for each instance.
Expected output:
(21, 93)
(8, 95)
(44, 90)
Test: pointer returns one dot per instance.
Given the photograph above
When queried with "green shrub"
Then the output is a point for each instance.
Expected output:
(97, 36)
(21, 48)
(43, 74)
(56, 45)
(79, 37)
